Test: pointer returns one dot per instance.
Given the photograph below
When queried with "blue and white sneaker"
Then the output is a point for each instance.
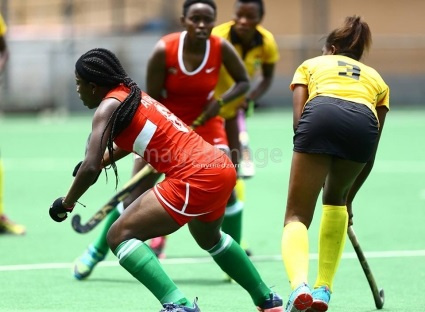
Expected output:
(321, 298)
(273, 304)
(172, 307)
(85, 264)
(300, 299)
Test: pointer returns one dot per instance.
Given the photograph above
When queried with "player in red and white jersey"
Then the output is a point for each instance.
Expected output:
(198, 181)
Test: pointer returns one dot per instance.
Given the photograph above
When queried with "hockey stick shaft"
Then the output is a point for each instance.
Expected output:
(112, 203)
(378, 295)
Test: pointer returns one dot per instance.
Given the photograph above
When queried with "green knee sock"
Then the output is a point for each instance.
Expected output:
(233, 260)
(100, 243)
(232, 223)
(139, 260)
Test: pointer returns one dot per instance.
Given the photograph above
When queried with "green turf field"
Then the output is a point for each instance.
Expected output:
(39, 154)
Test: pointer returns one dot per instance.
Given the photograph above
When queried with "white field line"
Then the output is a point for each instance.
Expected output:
(399, 166)
(199, 260)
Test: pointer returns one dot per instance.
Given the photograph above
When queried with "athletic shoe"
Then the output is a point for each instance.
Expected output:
(321, 297)
(85, 264)
(7, 226)
(157, 245)
(300, 299)
(172, 307)
(273, 304)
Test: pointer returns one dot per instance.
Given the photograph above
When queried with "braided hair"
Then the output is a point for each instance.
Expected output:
(103, 68)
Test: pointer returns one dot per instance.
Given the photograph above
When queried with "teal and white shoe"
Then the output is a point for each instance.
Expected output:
(300, 299)
(172, 307)
(85, 264)
(321, 298)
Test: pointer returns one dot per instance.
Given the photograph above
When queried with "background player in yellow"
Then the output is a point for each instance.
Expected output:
(258, 49)
(340, 106)
(6, 225)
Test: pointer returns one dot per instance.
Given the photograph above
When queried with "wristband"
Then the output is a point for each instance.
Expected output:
(64, 203)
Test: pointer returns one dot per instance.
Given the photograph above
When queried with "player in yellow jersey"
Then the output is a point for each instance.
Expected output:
(340, 106)
(6, 225)
(258, 49)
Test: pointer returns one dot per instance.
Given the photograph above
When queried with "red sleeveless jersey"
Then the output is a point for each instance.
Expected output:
(162, 139)
(187, 92)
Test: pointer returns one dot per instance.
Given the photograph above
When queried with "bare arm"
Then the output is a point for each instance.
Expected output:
(264, 83)
(299, 97)
(92, 162)
(118, 154)
(155, 76)
(236, 69)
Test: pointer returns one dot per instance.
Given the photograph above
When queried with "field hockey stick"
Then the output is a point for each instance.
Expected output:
(111, 204)
(378, 295)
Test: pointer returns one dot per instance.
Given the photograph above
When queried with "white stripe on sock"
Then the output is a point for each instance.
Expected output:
(226, 243)
(234, 209)
(120, 207)
(128, 247)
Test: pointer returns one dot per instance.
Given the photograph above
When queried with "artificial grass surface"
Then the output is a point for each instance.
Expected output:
(39, 154)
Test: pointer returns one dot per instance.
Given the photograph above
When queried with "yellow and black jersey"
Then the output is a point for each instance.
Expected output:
(264, 51)
(342, 77)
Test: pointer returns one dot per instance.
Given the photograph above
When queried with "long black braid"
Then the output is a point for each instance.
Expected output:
(103, 68)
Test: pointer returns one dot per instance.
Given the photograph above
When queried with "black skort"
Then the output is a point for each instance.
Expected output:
(337, 127)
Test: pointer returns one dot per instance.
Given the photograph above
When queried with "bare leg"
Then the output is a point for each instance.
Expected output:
(308, 174)
(145, 218)
(341, 177)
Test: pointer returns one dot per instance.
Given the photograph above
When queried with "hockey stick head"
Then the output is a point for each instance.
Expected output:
(76, 224)
(94, 220)
(380, 300)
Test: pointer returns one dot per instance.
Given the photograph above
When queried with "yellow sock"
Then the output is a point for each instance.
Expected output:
(332, 234)
(1, 188)
(295, 253)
